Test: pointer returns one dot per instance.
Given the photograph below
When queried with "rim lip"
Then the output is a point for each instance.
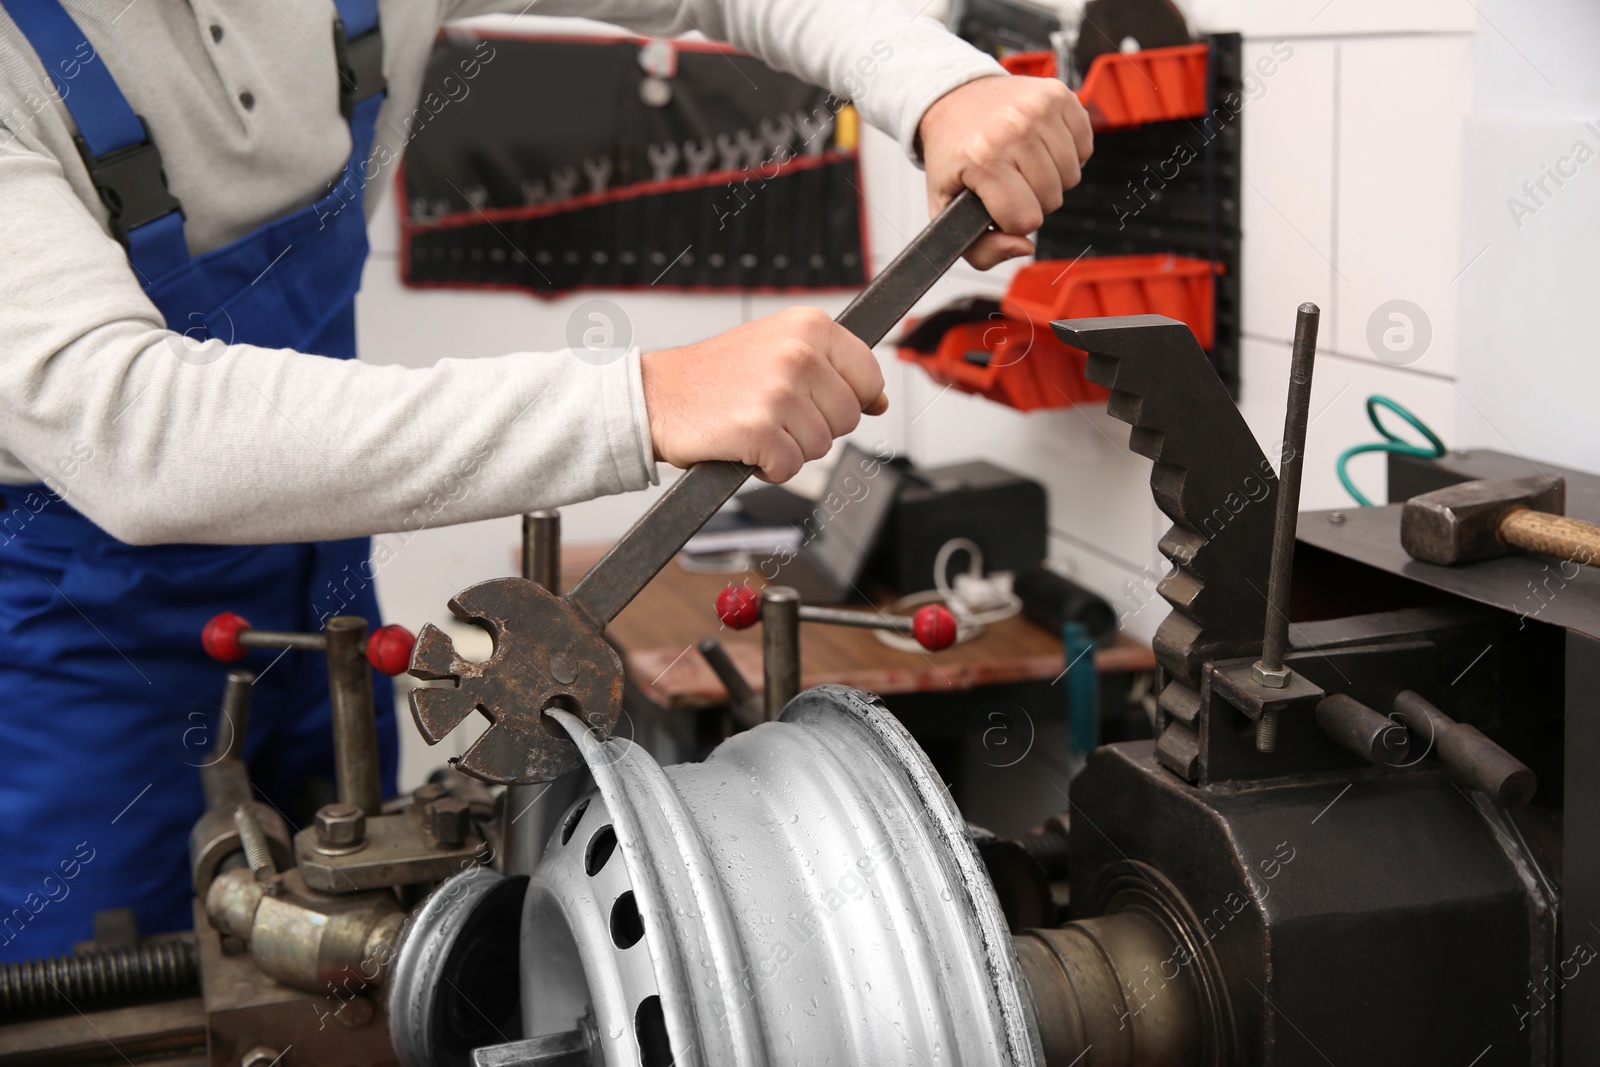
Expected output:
(425, 944)
(894, 741)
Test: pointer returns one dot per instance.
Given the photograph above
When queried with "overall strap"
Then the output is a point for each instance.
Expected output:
(358, 44)
(123, 162)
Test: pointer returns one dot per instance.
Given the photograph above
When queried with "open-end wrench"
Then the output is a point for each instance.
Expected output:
(598, 168)
(697, 156)
(730, 153)
(663, 157)
(550, 651)
(563, 182)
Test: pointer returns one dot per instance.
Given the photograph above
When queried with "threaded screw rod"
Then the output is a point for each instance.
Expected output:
(101, 978)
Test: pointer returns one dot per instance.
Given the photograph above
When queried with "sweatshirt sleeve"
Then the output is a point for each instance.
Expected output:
(158, 438)
(889, 61)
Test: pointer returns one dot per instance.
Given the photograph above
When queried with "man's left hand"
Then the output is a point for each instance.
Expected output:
(1017, 142)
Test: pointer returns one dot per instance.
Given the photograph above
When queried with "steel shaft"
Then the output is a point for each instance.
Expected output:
(780, 647)
(1275, 636)
(355, 727)
(530, 808)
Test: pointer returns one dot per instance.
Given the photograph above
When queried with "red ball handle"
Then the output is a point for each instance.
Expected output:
(389, 648)
(934, 627)
(220, 636)
(739, 607)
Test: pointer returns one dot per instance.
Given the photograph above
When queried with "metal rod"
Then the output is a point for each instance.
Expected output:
(867, 620)
(691, 501)
(741, 697)
(1469, 756)
(780, 647)
(531, 810)
(1275, 639)
(235, 721)
(61, 985)
(541, 548)
(282, 639)
(1375, 738)
(224, 780)
(257, 853)
(551, 1050)
(355, 727)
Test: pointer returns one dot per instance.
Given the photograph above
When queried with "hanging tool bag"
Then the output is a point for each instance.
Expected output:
(552, 164)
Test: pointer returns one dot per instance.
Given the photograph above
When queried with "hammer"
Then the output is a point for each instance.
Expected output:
(1495, 517)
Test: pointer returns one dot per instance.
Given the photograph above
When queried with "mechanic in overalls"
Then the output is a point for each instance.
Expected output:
(184, 428)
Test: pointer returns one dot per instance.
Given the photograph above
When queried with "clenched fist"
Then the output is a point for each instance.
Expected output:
(771, 393)
(1015, 141)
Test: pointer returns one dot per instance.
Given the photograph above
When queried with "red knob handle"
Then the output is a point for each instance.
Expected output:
(220, 636)
(389, 648)
(934, 627)
(739, 607)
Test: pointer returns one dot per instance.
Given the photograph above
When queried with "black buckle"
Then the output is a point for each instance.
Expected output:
(131, 184)
(360, 66)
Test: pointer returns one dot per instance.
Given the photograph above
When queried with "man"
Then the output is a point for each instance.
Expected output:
(175, 439)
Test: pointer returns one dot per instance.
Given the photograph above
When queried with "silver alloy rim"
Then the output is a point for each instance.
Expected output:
(808, 894)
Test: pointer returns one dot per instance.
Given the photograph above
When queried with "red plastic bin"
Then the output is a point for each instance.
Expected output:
(1120, 90)
(1032, 64)
(1011, 362)
(1160, 284)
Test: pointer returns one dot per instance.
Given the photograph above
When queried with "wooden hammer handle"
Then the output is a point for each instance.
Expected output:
(1552, 535)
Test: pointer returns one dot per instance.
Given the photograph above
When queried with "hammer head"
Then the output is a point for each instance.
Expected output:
(1461, 523)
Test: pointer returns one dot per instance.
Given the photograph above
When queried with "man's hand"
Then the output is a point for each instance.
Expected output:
(1015, 141)
(771, 393)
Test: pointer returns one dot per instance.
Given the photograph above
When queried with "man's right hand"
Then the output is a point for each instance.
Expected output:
(772, 393)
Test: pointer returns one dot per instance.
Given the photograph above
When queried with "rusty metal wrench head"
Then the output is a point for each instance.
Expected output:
(550, 651)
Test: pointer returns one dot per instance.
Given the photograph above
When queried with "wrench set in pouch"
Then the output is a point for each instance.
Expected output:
(551, 164)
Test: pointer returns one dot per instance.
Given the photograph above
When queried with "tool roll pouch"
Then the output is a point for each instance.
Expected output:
(560, 163)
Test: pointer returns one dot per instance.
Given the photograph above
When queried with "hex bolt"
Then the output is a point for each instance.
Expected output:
(449, 819)
(341, 826)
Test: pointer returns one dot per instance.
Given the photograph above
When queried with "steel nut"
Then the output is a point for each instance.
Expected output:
(429, 792)
(449, 819)
(341, 826)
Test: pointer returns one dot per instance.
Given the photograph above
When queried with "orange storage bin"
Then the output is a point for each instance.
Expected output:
(1175, 286)
(1011, 362)
(1153, 85)
(1014, 357)
(1032, 64)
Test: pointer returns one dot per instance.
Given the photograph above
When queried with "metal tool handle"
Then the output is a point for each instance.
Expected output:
(705, 487)
(1552, 535)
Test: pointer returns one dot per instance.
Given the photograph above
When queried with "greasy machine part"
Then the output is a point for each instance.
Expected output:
(809, 893)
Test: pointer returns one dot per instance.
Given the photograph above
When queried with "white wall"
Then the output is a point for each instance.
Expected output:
(1367, 180)
(1529, 373)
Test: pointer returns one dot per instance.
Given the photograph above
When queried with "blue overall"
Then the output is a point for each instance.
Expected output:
(108, 705)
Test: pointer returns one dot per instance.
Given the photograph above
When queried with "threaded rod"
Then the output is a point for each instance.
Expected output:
(100, 978)
(256, 851)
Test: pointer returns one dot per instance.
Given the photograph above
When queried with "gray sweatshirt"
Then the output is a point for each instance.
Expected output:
(157, 438)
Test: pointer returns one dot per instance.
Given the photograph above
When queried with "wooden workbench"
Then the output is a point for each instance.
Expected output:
(659, 630)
